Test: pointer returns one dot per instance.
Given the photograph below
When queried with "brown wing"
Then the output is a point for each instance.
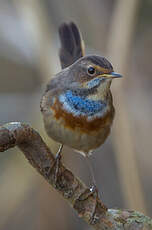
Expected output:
(72, 45)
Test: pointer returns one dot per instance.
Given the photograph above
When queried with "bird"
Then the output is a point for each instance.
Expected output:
(77, 105)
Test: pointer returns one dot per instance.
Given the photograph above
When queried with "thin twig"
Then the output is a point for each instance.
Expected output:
(88, 207)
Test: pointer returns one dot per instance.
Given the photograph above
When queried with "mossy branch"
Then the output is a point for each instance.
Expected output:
(88, 207)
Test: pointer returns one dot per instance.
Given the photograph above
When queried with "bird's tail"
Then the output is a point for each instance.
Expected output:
(72, 45)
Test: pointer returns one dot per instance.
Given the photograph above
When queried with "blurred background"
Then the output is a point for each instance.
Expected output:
(120, 30)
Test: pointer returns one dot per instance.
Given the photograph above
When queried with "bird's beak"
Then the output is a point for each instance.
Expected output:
(111, 75)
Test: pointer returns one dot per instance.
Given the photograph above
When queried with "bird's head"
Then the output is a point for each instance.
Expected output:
(94, 73)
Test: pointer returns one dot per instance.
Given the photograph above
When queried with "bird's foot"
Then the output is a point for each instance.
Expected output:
(56, 165)
(92, 192)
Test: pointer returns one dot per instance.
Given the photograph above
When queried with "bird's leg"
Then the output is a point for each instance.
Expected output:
(93, 191)
(93, 188)
(58, 154)
(57, 163)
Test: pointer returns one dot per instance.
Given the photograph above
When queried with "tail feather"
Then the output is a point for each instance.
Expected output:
(72, 47)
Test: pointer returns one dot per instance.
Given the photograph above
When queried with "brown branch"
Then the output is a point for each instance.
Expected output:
(88, 207)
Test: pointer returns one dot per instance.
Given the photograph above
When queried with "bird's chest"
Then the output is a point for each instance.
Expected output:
(80, 106)
(82, 114)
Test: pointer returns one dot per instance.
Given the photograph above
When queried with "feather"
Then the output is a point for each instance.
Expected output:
(72, 46)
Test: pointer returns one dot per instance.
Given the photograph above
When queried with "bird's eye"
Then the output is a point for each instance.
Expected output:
(91, 70)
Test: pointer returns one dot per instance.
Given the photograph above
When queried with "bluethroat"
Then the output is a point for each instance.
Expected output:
(77, 105)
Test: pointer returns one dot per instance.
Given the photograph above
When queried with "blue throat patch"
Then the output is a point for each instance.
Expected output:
(80, 105)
